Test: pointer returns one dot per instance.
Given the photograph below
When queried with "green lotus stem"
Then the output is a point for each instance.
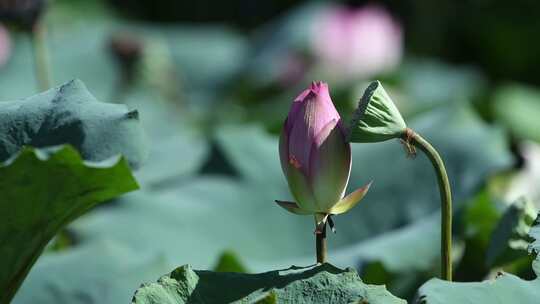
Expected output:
(320, 245)
(41, 57)
(411, 137)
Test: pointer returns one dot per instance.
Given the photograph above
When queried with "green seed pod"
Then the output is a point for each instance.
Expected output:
(377, 118)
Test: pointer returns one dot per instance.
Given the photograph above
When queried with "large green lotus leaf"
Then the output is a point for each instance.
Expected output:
(69, 114)
(202, 58)
(207, 215)
(518, 108)
(176, 148)
(402, 273)
(316, 284)
(428, 83)
(42, 191)
(205, 57)
(84, 275)
(172, 158)
(194, 63)
(86, 58)
(253, 153)
(504, 288)
(276, 41)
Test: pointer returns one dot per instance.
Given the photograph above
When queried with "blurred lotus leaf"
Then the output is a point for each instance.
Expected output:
(69, 114)
(504, 288)
(430, 83)
(211, 177)
(376, 118)
(199, 61)
(524, 183)
(177, 149)
(510, 239)
(42, 191)
(229, 262)
(471, 149)
(86, 59)
(206, 57)
(475, 224)
(316, 284)
(91, 265)
(226, 205)
(518, 108)
(402, 273)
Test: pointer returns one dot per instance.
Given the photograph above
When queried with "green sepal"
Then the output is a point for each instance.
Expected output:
(292, 207)
(351, 200)
(376, 118)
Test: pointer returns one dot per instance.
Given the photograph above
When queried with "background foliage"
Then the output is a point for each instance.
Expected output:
(212, 88)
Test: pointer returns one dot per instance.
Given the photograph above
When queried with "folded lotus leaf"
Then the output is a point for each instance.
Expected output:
(69, 114)
(41, 192)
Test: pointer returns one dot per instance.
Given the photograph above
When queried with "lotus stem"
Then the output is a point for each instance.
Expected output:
(320, 245)
(411, 137)
(41, 57)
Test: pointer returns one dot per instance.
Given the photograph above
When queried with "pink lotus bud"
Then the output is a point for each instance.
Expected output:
(315, 156)
(5, 45)
(357, 42)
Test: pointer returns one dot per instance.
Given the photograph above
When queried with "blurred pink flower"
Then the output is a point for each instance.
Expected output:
(357, 42)
(293, 69)
(5, 45)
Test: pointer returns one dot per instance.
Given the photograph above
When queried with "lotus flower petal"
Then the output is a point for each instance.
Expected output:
(310, 113)
(301, 188)
(297, 180)
(351, 200)
(315, 155)
(330, 165)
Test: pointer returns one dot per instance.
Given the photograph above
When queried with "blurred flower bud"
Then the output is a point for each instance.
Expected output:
(127, 50)
(357, 43)
(293, 69)
(5, 45)
(376, 118)
(24, 14)
(315, 156)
